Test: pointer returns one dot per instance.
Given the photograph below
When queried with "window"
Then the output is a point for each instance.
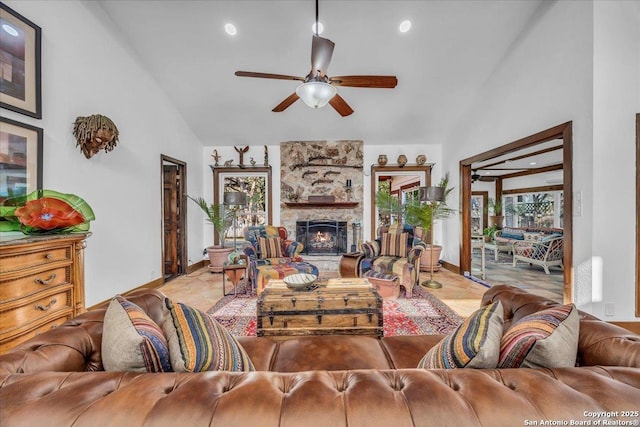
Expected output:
(534, 210)
(256, 182)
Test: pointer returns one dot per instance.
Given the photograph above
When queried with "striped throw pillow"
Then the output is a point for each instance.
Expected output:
(131, 340)
(197, 342)
(473, 344)
(270, 247)
(546, 339)
(370, 249)
(394, 244)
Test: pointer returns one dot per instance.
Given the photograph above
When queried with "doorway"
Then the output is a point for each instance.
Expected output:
(558, 138)
(174, 235)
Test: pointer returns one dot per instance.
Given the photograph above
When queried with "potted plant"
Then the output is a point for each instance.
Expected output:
(422, 215)
(388, 207)
(489, 233)
(497, 218)
(221, 219)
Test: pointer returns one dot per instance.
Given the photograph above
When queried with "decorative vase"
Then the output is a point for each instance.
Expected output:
(402, 160)
(421, 159)
(382, 159)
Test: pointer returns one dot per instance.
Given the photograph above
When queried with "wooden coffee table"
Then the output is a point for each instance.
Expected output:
(337, 307)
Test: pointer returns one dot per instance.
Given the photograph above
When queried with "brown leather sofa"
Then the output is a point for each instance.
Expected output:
(57, 379)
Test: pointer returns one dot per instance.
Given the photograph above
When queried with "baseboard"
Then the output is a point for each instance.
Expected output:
(196, 266)
(154, 284)
(631, 326)
(451, 267)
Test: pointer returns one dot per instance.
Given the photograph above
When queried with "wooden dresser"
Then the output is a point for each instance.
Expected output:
(41, 285)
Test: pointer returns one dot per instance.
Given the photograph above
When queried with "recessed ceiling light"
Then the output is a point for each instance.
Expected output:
(10, 30)
(230, 29)
(320, 28)
(533, 163)
(487, 173)
(405, 26)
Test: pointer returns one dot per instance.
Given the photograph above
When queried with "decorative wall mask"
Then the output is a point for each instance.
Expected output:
(95, 133)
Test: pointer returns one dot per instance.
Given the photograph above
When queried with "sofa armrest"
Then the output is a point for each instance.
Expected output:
(292, 248)
(599, 342)
(74, 346)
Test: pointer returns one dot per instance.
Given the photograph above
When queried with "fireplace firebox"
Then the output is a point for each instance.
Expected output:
(325, 237)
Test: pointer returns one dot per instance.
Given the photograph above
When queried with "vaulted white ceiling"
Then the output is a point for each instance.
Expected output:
(441, 63)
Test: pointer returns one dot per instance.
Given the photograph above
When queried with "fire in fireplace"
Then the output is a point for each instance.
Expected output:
(322, 236)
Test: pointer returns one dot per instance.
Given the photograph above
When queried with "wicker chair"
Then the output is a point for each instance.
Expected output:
(545, 253)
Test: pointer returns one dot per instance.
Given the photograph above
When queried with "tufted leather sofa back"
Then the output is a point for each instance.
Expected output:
(76, 345)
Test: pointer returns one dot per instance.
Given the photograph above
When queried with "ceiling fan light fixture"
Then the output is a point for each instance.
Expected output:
(316, 94)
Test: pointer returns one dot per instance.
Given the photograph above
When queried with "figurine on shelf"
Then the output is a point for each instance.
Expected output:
(402, 160)
(252, 162)
(382, 159)
(216, 157)
(421, 159)
(241, 152)
(228, 162)
(266, 156)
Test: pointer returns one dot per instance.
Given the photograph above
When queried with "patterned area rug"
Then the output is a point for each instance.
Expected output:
(423, 314)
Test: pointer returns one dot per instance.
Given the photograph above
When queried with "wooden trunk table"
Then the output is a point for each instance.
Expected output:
(336, 307)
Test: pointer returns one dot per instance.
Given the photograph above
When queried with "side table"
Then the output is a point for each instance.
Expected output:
(350, 264)
(235, 273)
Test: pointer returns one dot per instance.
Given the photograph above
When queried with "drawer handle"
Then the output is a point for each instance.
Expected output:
(48, 256)
(46, 281)
(46, 307)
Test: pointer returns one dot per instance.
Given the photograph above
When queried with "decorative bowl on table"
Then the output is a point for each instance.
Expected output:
(300, 281)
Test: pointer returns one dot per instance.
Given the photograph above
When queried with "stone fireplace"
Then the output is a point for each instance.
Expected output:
(322, 182)
(322, 237)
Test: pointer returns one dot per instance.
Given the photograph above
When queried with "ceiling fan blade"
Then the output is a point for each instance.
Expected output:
(321, 52)
(267, 75)
(286, 103)
(340, 105)
(384, 82)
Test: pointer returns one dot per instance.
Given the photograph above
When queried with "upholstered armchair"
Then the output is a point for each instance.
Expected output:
(268, 247)
(546, 252)
(394, 252)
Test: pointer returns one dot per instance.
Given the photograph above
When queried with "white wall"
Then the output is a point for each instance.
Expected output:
(544, 80)
(555, 73)
(616, 87)
(86, 70)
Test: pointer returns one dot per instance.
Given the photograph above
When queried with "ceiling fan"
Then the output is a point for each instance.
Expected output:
(475, 176)
(318, 89)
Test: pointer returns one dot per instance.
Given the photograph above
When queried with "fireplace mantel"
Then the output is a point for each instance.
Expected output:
(326, 205)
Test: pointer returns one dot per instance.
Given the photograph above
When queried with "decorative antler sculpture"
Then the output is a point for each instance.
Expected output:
(241, 152)
(94, 133)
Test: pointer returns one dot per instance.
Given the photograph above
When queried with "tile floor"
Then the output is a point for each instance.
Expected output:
(532, 278)
(202, 289)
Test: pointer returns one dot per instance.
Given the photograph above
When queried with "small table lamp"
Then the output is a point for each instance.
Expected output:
(236, 200)
(432, 195)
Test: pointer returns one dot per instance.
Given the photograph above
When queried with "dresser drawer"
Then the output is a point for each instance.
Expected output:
(8, 343)
(41, 308)
(37, 258)
(11, 290)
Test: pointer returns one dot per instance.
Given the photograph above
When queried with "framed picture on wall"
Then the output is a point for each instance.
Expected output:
(20, 158)
(20, 73)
